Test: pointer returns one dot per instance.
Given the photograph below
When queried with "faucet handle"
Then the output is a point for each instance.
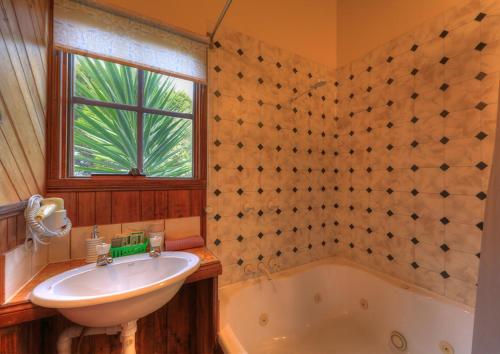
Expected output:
(102, 251)
(250, 268)
(155, 246)
(273, 263)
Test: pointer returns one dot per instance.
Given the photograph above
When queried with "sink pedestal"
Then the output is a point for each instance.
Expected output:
(127, 337)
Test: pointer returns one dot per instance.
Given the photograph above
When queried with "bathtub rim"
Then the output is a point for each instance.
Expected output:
(337, 260)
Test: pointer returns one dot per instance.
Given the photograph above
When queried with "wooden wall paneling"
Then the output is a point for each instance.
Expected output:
(7, 192)
(202, 100)
(21, 229)
(54, 112)
(2, 277)
(151, 335)
(86, 209)
(17, 151)
(147, 205)
(196, 202)
(125, 207)
(29, 20)
(103, 208)
(23, 69)
(22, 339)
(3, 236)
(11, 232)
(161, 204)
(204, 317)
(10, 165)
(179, 204)
(8, 340)
(178, 322)
(25, 60)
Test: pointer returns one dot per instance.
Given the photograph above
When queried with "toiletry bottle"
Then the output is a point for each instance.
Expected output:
(91, 243)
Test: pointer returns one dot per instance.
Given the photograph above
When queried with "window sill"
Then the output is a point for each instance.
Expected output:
(122, 183)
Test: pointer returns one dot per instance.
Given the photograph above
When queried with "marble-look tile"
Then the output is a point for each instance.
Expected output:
(59, 249)
(461, 291)
(78, 247)
(18, 269)
(182, 227)
(463, 266)
(407, 139)
(430, 256)
(146, 226)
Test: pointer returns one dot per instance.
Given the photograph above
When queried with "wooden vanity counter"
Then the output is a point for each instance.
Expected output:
(19, 309)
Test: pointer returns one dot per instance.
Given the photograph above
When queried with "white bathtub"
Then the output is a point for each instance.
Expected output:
(317, 308)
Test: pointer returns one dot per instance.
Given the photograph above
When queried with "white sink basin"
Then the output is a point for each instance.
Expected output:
(127, 289)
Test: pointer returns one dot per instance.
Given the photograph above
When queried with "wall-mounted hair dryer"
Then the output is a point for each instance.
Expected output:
(45, 218)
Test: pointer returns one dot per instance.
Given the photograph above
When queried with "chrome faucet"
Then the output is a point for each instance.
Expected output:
(264, 269)
(154, 252)
(103, 260)
(102, 251)
(155, 246)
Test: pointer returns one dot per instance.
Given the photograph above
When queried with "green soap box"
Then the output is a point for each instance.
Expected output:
(130, 249)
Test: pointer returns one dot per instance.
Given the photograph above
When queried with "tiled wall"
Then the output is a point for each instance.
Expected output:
(20, 265)
(397, 174)
(416, 126)
(270, 160)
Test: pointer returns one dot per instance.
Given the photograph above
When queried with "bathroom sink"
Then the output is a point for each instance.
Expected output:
(129, 288)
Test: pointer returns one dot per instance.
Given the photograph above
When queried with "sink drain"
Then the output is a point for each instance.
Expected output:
(398, 341)
(446, 348)
(364, 304)
(263, 319)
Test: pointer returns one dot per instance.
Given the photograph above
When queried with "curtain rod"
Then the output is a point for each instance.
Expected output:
(211, 35)
(146, 21)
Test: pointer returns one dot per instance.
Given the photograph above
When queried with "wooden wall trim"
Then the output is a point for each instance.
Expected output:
(14, 209)
(16, 314)
(12, 228)
(105, 185)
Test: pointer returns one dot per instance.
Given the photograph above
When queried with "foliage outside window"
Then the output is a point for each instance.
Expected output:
(125, 118)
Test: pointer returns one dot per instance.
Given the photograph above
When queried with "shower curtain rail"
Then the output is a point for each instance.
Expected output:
(211, 35)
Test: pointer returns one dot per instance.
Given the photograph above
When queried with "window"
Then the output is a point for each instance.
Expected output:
(125, 120)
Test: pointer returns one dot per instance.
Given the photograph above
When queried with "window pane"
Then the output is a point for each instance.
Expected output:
(105, 140)
(168, 93)
(105, 81)
(168, 146)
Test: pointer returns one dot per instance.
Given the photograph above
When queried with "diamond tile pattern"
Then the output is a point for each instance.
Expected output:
(386, 146)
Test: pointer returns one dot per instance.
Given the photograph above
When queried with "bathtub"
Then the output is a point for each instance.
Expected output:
(336, 307)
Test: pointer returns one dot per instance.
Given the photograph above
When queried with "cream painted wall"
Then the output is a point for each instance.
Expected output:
(305, 27)
(366, 24)
(330, 32)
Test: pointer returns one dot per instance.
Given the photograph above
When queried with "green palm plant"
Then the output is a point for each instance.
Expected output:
(105, 139)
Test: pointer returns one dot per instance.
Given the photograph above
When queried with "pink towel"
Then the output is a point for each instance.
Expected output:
(184, 243)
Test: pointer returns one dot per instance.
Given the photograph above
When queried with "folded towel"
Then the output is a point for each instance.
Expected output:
(184, 243)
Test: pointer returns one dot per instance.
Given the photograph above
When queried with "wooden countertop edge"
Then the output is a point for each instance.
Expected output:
(15, 313)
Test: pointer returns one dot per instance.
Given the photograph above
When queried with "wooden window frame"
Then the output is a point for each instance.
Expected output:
(59, 134)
